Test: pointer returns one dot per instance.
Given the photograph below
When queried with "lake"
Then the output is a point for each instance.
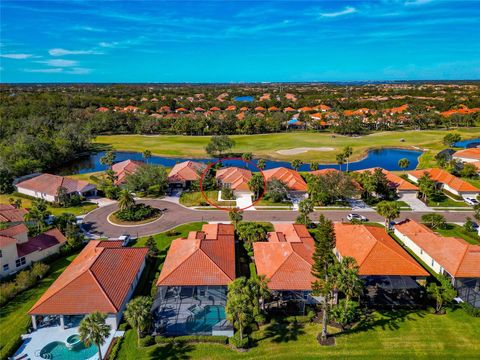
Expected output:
(472, 143)
(244, 98)
(385, 158)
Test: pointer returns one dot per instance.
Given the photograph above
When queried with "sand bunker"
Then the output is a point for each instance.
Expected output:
(302, 150)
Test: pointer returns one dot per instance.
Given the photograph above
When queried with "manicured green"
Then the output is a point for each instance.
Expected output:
(196, 199)
(14, 320)
(265, 202)
(448, 202)
(82, 209)
(266, 145)
(390, 335)
(454, 230)
(163, 240)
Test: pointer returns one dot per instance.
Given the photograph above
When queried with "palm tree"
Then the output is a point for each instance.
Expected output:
(390, 210)
(235, 216)
(256, 185)
(404, 163)
(261, 164)
(94, 330)
(349, 283)
(125, 200)
(138, 314)
(247, 156)
(147, 154)
(305, 207)
(108, 158)
(296, 164)
(340, 160)
(314, 166)
(260, 292)
(347, 152)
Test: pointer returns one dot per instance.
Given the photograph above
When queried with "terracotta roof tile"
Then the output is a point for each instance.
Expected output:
(123, 168)
(444, 177)
(186, 171)
(472, 153)
(9, 213)
(291, 178)
(49, 184)
(375, 251)
(395, 181)
(237, 178)
(41, 242)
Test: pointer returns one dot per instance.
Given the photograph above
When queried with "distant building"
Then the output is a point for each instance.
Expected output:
(18, 251)
(184, 173)
(234, 178)
(291, 178)
(103, 277)
(400, 185)
(45, 186)
(470, 155)
(124, 168)
(10, 214)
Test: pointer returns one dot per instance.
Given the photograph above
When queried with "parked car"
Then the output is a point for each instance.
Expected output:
(351, 217)
(125, 238)
(471, 201)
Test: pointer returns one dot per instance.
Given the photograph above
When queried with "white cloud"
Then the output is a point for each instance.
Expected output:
(88, 28)
(62, 52)
(16, 56)
(108, 44)
(346, 11)
(417, 2)
(54, 70)
(79, 71)
(59, 62)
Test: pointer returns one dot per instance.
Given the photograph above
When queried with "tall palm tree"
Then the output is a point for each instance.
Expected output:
(94, 330)
(314, 166)
(403, 163)
(340, 160)
(347, 152)
(349, 282)
(138, 314)
(390, 210)
(147, 154)
(235, 216)
(296, 164)
(125, 200)
(261, 164)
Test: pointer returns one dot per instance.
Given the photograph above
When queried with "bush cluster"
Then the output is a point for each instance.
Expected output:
(137, 212)
(470, 310)
(146, 341)
(239, 344)
(23, 281)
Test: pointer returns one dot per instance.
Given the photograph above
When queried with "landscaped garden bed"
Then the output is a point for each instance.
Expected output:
(137, 214)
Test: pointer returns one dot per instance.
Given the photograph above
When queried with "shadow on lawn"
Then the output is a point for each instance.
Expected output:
(175, 351)
(283, 331)
(384, 319)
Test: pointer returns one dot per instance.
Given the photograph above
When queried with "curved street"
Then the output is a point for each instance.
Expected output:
(96, 221)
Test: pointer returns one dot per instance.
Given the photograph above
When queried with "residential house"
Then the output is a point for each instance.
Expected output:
(124, 168)
(390, 274)
(400, 185)
(286, 261)
(101, 278)
(234, 178)
(18, 250)
(193, 283)
(292, 179)
(449, 256)
(10, 214)
(183, 174)
(46, 186)
(446, 181)
(471, 155)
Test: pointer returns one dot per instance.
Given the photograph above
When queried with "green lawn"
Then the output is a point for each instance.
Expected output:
(390, 335)
(84, 208)
(164, 239)
(196, 199)
(86, 177)
(265, 202)
(448, 202)
(454, 230)
(266, 145)
(14, 320)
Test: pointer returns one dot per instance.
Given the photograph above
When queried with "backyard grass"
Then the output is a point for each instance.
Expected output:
(14, 320)
(454, 230)
(164, 239)
(448, 202)
(387, 335)
(86, 177)
(196, 199)
(82, 209)
(266, 145)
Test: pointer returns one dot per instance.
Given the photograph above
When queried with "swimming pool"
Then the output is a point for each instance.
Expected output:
(58, 350)
(205, 320)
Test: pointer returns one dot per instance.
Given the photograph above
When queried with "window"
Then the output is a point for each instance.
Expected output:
(421, 251)
(20, 262)
(0, 253)
(6, 267)
(433, 262)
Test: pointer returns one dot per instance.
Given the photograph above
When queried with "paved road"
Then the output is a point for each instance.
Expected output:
(96, 221)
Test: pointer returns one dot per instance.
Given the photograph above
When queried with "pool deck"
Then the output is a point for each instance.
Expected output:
(35, 341)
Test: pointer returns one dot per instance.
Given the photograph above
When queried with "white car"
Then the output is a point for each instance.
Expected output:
(471, 201)
(351, 217)
(125, 239)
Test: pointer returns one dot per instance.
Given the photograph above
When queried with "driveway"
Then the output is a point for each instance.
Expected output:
(96, 221)
(415, 203)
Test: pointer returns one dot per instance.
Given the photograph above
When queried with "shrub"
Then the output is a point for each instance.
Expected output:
(216, 339)
(7, 291)
(311, 315)
(24, 280)
(137, 212)
(172, 233)
(239, 344)
(260, 319)
(116, 348)
(146, 341)
(160, 340)
(39, 270)
(112, 192)
(124, 326)
(470, 310)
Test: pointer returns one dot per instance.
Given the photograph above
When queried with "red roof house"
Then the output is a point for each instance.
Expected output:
(123, 168)
(289, 177)
(185, 172)
(234, 177)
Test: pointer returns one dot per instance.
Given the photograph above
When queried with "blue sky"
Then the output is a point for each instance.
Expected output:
(238, 41)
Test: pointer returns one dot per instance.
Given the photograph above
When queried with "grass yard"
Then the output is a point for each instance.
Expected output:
(387, 335)
(84, 208)
(265, 202)
(86, 177)
(266, 145)
(196, 199)
(454, 230)
(448, 202)
(164, 239)
(14, 320)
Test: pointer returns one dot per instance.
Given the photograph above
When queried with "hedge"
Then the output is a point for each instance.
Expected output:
(215, 339)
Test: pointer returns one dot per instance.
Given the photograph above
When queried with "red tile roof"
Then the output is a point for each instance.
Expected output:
(14, 230)
(98, 279)
(395, 181)
(375, 251)
(41, 242)
(231, 108)
(123, 168)
(236, 178)
(472, 153)
(49, 184)
(259, 108)
(6, 241)
(289, 177)
(455, 255)
(286, 259)
(186, 171)
(444, 177)
(9, 213)
(323, 171)
(206, 257)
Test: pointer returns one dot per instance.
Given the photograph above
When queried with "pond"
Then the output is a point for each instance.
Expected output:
(385, 158)
(244, 98)
(471, 143)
